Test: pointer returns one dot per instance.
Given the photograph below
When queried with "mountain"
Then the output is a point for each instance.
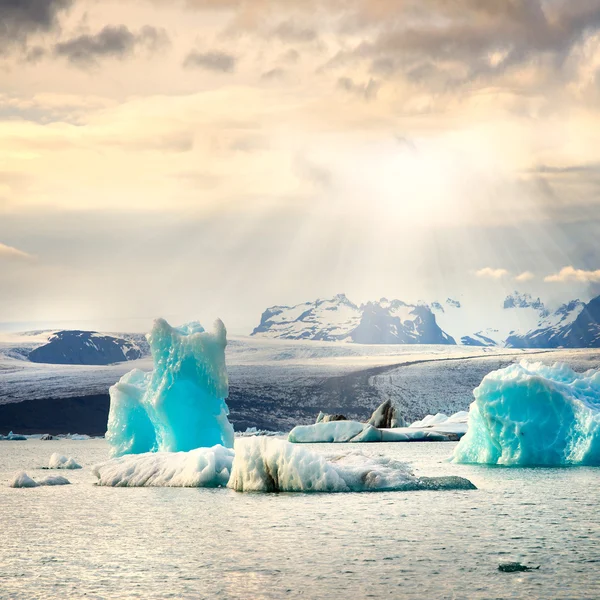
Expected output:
(339, 319)
(520, 321)
(74, 347)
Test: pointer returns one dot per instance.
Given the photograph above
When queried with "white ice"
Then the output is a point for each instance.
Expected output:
(354, 432)
(203, 467)
(267, 464)
(58, 461)
(22, 480)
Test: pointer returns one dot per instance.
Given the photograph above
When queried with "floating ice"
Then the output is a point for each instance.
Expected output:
(181, 405)
(54, 480)
(13, 437)
(266, 464)
(58, 461)
(22, 480)
(202, 467)
(353, 431)
(534, 414)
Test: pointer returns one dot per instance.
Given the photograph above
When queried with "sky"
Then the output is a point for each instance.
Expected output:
(197, 159)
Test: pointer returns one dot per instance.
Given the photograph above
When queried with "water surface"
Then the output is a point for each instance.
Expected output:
(95, 542)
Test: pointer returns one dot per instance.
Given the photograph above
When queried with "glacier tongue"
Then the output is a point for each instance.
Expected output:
(181, 405)
(534, 414)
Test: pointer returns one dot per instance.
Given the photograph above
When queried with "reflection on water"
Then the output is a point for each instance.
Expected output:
(82, 540)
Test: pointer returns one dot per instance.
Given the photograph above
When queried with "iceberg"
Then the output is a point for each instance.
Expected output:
(180, 405)
(531, 414)
(267, 464)
(58, 461)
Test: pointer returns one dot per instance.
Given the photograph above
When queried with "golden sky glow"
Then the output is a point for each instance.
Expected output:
(292, 150)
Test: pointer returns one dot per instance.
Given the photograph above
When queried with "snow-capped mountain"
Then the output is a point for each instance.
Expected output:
(552, 330)
(74, 347)
(520, 321)
(339, 319)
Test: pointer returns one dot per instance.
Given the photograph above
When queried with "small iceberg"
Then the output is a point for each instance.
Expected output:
(58, 461)
(267, 464)
(531, 414)
(22, 480)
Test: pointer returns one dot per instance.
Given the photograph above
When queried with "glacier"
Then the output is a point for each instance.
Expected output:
(180, 405)
(267, 464)
(532, 414)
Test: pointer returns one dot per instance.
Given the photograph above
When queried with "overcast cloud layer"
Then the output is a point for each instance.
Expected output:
(201, 158)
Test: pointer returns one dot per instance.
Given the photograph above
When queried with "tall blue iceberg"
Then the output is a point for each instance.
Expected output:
(534, 414)
(180, 405)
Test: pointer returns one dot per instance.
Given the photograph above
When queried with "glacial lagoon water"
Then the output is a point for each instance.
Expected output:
(95, 542)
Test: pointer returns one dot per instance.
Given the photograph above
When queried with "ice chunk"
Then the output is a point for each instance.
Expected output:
(181, 405)
(273, 465)
(202, 467)
(534, 414)
(22, 480)
(58, 461)
(54, 480)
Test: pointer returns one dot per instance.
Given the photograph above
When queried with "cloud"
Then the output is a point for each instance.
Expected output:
(21, 18)
(570, 274)
(9, 253)
(211, 61)
(112, 41)
(366, 90)
(490, 273)
(273, 74)
(289, 31)
(525, 276)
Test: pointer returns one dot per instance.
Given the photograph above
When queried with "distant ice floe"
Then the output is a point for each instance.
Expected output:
(180, 405)
(22, 480)
(266, 464)
(354, 431)
(532, 414)
(58, 461)
(13, 437)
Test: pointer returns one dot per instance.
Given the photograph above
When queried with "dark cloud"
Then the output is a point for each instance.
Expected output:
(113, 41)
(366, 90)
(470, 39)
(211, 61)
(21, 18)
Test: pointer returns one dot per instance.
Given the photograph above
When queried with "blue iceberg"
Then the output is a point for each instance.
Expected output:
(534, 414)
(180, 405)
